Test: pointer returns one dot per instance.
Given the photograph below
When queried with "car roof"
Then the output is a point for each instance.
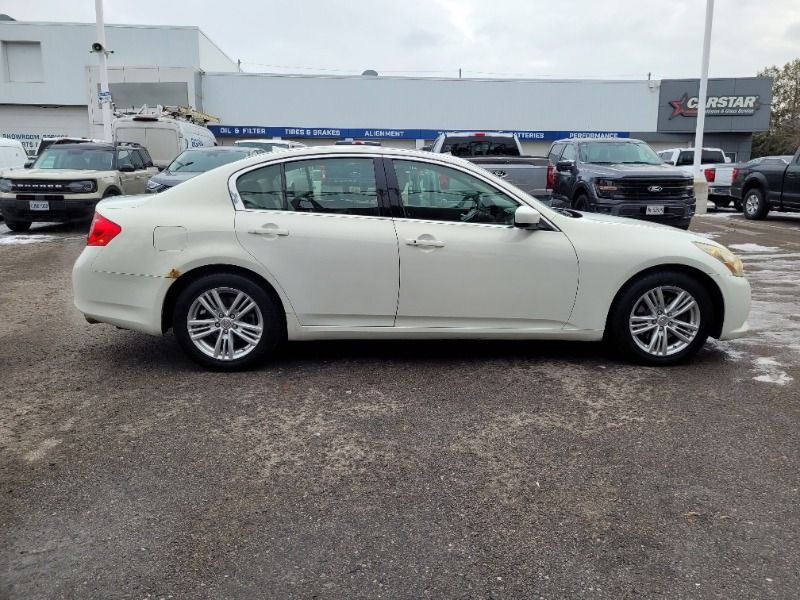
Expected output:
(222, 149)
(478, 134)
(264, 140)
(593, 139)
(89, 146)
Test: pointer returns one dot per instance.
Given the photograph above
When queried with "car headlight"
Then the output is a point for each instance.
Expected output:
(725, 256)
(155, 187)
(82, 187)
(5, 185)
(606, 187)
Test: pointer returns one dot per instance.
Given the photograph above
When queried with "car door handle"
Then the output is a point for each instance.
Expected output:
(425, 243)
(269, 231)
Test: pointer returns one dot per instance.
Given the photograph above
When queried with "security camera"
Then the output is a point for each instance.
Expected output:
(98, 47)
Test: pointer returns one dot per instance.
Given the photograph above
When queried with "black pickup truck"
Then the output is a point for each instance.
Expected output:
(768, 183)
(622, 177)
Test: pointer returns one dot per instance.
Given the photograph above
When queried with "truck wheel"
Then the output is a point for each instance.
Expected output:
(18, 226)
(581, 202)
(755, 207)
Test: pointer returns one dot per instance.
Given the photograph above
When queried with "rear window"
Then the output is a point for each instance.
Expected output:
(480, 146)
(200, 161)
(709, 157)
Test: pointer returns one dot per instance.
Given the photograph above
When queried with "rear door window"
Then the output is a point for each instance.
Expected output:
(332, 185)
(555, 153)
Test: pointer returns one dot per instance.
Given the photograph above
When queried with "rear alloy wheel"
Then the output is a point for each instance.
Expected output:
(18, 226)
(755, 207)
(226, 322)
(662, 319)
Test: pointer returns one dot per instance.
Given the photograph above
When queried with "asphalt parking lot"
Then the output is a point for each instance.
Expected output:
(396, 470)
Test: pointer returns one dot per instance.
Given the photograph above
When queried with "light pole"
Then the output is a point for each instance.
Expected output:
(99, 47)
(700, 183)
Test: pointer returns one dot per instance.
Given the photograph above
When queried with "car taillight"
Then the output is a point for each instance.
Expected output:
(734, 173)
(710, 175)
(551, 177)
(479, 134)
(102, 231)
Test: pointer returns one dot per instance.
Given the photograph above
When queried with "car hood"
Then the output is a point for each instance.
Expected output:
(169, 179)
(623, 170)
(639, 223)
(59, 174)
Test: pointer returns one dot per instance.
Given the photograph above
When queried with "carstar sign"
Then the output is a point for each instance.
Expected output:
(716, 106)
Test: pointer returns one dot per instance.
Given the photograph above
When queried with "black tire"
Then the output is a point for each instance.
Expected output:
(111, 192)
(618, 330)
(755, 206)
(18, 226)
(581, 202)
(272, 323)
(737, 204)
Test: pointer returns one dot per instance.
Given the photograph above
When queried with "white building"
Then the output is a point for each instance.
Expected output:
(49, 82)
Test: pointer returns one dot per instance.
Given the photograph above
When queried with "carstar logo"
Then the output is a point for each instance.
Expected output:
(716, 106)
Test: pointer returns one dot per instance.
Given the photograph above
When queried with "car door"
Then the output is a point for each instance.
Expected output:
(791, 184)
(142, 175)
(463, 264)
(321, 227)
(128, 180)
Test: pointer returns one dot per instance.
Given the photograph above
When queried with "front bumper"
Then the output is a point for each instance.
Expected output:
(128, 301)
(60, 209)
(736, 296)
(677, 214)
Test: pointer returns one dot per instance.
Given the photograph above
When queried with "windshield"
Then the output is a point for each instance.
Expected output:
(200, 161)
(81, 159)
(265, 146)
(618, 153)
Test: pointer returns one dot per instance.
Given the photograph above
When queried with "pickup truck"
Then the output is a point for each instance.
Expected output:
(716, 168)
(622, 177)
(502, 155)
(768, 183)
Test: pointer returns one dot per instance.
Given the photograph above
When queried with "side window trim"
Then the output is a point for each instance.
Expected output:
(398, 211)
(380, 184)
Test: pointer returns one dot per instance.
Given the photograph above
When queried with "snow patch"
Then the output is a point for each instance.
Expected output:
(709, 236)
(771, 371)
(753, 248)
(20, 239)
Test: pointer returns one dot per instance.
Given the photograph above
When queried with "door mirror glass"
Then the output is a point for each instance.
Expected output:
(29, 164)
(527, 217)
(126, 168)
(564, 165)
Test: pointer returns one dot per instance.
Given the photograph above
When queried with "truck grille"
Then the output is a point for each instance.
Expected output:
(32, 186)
(670, 189)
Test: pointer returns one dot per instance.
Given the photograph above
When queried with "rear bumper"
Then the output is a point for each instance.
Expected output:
(59, 210)
(128, 301)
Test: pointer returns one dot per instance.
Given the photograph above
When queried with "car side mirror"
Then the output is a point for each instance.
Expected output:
(29, 164)
(527, 217)
(126, 168)
(565, 165)
(670, 162)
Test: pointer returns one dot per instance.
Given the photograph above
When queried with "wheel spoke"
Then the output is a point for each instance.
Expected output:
(202, 333)
(662, 305)
(229, 338)
(218, 346)
(235, 304)
(208, 303)
(664, 342)
(247, 336)
(650, 303)
(687, 304)
(247, 308)
(643, 329)
(678, 334)
(218, 300)
(678, 299)
(654, 340)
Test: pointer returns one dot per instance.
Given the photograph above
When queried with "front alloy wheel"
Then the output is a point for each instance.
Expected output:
(664, 321)
(662, 318)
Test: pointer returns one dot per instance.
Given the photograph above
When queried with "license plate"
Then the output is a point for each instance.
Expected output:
(654, 210)
(39, 205)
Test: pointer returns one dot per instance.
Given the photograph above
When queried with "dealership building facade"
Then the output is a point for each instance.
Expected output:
(49, 87)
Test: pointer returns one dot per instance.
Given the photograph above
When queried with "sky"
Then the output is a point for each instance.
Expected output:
(616, 39)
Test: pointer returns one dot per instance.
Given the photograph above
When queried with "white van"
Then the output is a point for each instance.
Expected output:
(12, 155)
(164, 137)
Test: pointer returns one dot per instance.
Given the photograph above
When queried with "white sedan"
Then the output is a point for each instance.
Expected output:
(369, 242)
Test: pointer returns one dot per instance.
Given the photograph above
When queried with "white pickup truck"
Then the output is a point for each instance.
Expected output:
(716, 168)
